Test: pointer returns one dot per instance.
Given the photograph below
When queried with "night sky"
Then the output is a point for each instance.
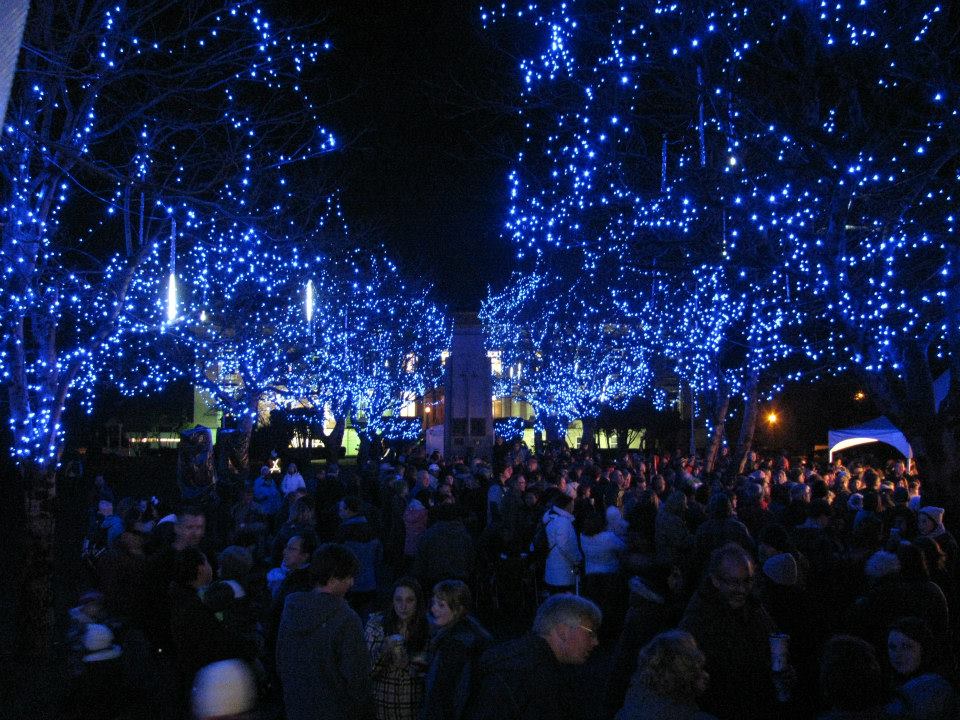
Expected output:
(418, 95)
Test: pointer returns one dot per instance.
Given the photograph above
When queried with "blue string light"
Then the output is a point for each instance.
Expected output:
(769, 189)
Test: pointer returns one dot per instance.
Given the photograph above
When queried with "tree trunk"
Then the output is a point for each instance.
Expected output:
(35, 616)
(623, 438)
(243, 447)
(589, 432)
(364, 451)
(537, 441)
(555, 433)
(938, 462)
(333, 441)
(716, 438)
(932, 433)
(748, 427)
(693, 426)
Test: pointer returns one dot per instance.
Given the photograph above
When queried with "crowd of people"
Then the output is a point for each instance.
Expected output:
(772, 588)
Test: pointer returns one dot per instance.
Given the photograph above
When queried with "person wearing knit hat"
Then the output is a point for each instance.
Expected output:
(224, 689)
(930, 524)
(100, 684)
(784, 593)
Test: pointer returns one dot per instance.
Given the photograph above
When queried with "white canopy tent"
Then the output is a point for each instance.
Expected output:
(881, 429)
(878, 430)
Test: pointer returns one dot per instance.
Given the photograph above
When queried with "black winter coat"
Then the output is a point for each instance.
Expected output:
(520, 680)
(449, 680)
(737, 646)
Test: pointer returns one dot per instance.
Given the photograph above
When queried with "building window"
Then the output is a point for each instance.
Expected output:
(409, 407)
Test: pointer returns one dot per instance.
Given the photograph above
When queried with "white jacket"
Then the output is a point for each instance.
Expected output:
(564, 557)
(601, 552)
(291, 483)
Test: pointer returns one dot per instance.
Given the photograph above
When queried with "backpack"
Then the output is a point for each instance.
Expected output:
(540, 545)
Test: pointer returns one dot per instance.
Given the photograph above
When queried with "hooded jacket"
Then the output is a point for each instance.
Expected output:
(322, 659)
(359, 535)
(444, 551)
(564, 558)
(672, 537)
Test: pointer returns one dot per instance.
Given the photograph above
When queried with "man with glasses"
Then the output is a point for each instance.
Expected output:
(732, 629)
(524, 678)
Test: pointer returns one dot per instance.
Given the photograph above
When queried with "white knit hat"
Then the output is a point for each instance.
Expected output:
(223, 688)
(98, 643)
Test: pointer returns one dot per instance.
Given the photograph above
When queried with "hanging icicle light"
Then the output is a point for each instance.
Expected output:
(309, 301)
(172, 280)
(171, 299)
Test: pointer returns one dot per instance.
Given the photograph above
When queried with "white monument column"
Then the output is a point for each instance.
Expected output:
(468, 392)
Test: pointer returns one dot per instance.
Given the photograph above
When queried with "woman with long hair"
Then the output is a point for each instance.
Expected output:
(936, 562)
(458, 641)
(920, 673)
(397, 640)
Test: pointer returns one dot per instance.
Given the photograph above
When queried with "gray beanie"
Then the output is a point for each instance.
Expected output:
(782, 569)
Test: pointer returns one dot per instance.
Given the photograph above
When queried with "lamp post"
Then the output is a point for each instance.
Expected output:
(773, 420)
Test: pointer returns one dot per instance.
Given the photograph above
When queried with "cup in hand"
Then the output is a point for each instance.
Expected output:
(779, 652)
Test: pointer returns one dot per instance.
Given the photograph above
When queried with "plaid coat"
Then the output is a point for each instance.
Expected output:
(397, 685)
